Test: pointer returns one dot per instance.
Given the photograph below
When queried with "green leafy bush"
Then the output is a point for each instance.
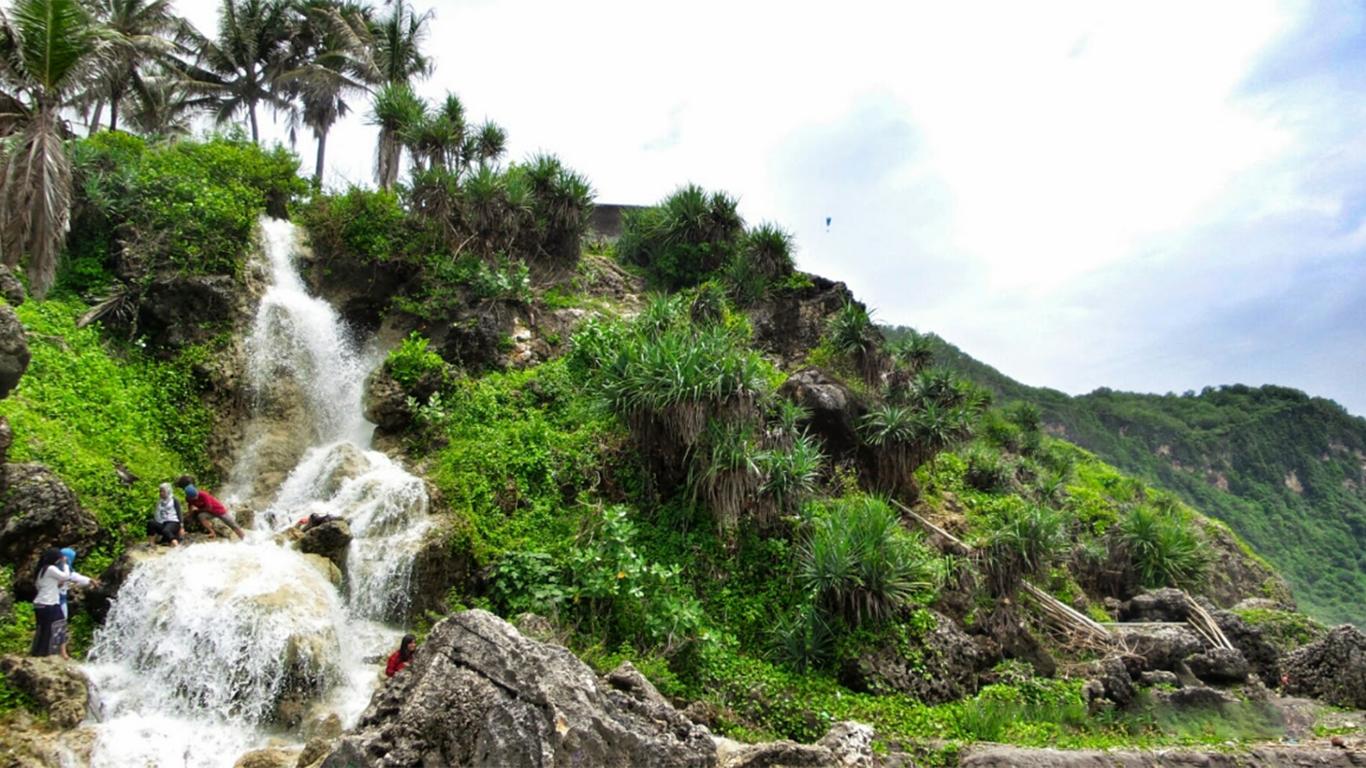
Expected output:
(367, 225)
(1024, 540)
(688, 237)
(860, 564)
(1161, 547)
(412, 362)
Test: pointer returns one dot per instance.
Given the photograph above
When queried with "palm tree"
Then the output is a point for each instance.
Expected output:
(331, 63)
(396, 110)
(141, 32)
(162, 108)
(395, 47)
(239, 69)
(47, 47)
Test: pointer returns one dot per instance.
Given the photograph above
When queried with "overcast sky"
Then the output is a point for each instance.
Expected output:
(1145, 196)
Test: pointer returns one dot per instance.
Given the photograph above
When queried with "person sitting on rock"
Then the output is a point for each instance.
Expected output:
(400, 658)
(49, 637)
(314, 520)
(204, 508)
(165, 522)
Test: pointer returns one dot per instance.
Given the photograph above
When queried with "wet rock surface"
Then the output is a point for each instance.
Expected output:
(329, 540)
(479, 693)
(1331, 669)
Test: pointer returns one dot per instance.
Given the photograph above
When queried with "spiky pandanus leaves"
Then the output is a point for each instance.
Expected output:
(49, 46)
(685, 239)
(851, 332)
(1025, 541)
(708, 304)
(860, 564)
(905, 436)
(490, 143)
(791, 473)
(1159, 547)
(911, 355)
(769, 248)
(496, 208)
(395, 109)
(728, 477)
(562, 202)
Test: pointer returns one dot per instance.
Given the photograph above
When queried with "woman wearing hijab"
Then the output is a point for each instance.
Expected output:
(50, 636)
(165, 522)
(400, 658)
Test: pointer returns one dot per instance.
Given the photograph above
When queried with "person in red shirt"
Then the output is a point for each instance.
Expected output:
(201, 503)
(400, 658)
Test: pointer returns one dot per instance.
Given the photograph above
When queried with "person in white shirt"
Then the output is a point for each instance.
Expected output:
(164, 526)
(49, 637)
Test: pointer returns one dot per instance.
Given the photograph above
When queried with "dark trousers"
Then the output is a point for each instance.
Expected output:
(51, 631)
(166, 532)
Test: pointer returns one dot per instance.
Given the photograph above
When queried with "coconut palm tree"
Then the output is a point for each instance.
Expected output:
(47, 48)
(395, 47)
(331, 63)
(141, 33)
(396, 109)
(239, 69)
(162, 108)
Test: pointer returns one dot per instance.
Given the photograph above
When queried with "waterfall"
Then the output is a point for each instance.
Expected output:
(216, 648)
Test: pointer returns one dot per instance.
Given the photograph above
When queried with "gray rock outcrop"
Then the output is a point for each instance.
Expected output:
(10, 288)
(1165, 604)
(14, 354)
(1263, 658)
(56, 686)
(1219, 666)
(479, 693)
(835, 410)
(39, 511)
(845, 745)
(1163, 646)
(944, 667)
(330, 540)
(1332, 668)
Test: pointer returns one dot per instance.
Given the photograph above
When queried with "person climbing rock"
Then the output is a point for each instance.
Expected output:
(400, 658)
(165, 523)
(49, 637)
(204, 507)
(314, 520)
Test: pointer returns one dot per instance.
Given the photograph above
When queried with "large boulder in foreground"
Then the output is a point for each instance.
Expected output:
(39, 511)
(14, 354)
(56, 686)
(330, 540)
(1332, 669)
(479, 693)
(834, 409)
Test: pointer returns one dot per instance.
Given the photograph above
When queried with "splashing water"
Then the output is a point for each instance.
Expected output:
(209, 649)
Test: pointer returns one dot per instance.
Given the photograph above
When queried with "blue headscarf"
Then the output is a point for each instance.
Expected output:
(191, 491)
(70, 555)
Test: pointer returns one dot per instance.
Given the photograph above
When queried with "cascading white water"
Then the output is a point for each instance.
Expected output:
(208, 647)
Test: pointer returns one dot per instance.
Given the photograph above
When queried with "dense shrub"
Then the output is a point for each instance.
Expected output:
(1160, 547)
(369, 226)
(688, 237)
(412, 362)
(860, 564)
(1024, 540)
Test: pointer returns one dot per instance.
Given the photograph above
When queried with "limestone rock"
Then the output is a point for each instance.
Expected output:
(1160, 647)
(835, 410)
(330, 540)
(791, 322)
(479, 693)
(56, 685)
(945, 668)
(1111, 682)
(845, 745)
(1332, 668)
(326, 567)
(175, 307)
(1159, 677)
(14, 354)
(386, 402)
(39, 512)
(1195, 696)
(1219, 666)
(1165, 604)
(1263, 658)
(10, 288)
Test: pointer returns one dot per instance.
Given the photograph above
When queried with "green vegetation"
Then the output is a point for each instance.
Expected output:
(1282, 469)
(86, 407)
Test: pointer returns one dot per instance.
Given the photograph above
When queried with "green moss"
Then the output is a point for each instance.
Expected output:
(1287, 630)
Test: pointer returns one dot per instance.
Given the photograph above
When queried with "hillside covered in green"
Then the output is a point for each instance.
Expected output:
(1285, 470)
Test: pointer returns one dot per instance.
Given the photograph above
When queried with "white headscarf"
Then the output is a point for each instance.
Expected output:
(166, 506)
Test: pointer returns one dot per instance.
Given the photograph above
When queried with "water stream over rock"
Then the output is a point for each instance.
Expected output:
(214, 649)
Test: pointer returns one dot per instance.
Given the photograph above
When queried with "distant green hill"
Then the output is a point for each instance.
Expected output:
(1285, 470)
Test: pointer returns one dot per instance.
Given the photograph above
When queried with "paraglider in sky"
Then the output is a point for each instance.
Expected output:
(827, 223)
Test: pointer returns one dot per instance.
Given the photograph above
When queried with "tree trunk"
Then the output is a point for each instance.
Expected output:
(322, 150)
(96, 118)
(113, 113)
(255, 133)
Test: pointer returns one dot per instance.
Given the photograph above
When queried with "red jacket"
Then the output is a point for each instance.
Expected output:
(203, 502)
(395, 665)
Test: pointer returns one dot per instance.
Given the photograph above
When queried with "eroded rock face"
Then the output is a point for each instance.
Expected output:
(39, 512)
(1262, 657)
(479, 693)
(1332, 669)
(55, 684)
(946, 668)
(14, 354)
(1160, 647)
(1219, 666)
(845, 745)
(791, 322)
(10, 288)
(1111, 685)
(835, 410)
(1157, 605)
(180, 310)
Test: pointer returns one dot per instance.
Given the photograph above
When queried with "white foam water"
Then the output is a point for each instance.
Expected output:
(207, 646)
